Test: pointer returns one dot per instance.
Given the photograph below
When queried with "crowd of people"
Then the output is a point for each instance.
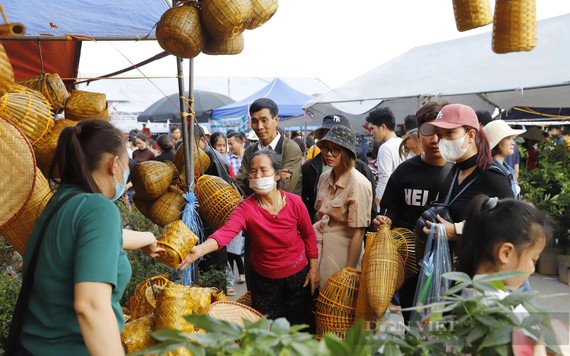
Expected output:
(307, 205)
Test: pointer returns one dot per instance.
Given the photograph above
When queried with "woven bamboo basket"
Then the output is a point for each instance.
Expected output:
(52, 88)
(6, 71)
(470, 14)
(166, 209)
(232, 45)
(234, 312)
(224, 19)
(201, 161)
(179, 32)
(176, 301)
(151, 179)
(18, 172)
(177, 240)
(139, 304)
(262, 10)
(218, 295)
(514, 26)
(217, 200)
(406, 247)
(18, 230)
(29, 112)
(136, 335)
(363, 309)
(336, 303)
(45, 147)
(245, 299)
(382, 274)
(83, 105)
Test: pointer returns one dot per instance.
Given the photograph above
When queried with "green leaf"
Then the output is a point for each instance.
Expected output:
(336, 346)
(162, 335)
(213, 325)
(497, 337)
(458, 277)
(280, 326)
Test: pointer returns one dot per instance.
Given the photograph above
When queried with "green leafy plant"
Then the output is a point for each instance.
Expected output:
(214, 278)
(9, 290)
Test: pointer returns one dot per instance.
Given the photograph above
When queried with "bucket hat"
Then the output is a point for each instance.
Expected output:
(342, 136)
(497, 130)
(533, 133)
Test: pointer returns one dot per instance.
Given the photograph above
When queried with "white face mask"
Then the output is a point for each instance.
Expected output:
(262, 186)
(451, 150)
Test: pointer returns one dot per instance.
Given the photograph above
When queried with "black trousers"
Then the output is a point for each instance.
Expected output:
(232, 257)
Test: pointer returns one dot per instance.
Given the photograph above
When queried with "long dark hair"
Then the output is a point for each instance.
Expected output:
(490, 222)
(80, 150)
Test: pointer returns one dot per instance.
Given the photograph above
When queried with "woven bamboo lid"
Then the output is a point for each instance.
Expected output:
(234, 312)
(17, 165)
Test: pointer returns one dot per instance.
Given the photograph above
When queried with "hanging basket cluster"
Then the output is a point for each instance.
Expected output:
(514, 22)
(211, 26)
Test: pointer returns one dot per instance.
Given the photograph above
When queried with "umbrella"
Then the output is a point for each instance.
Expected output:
(168, 108)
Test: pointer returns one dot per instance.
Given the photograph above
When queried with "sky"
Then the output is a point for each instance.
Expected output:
(332, 40)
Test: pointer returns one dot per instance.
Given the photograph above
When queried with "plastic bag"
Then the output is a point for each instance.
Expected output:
(431, 285)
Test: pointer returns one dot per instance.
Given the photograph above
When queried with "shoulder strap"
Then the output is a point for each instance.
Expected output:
(467, 185)
(27, 282)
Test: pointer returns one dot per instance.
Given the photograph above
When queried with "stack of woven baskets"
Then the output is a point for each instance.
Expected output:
(211, 26)
(514, 23)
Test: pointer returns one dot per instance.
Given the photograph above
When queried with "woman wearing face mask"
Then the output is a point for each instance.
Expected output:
(283, 244)
(343, 202)
(81, 270)
(463, 143)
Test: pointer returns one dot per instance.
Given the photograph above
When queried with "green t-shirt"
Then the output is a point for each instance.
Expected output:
(83, 243)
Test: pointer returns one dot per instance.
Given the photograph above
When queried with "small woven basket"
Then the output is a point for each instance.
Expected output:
(136, 335)
(30, 112)
(18, 230)
(217, 200)
(406, 247)
(470, 14)
(514, 26)
(232, 45)
(201, 161)
(179, 32)
(263, 10)
(177, 240)
(45, 147)
(141, 303)
(151, 179)
(234, 312)
(382, 273)
(83, 105)
(224, 19)
(336, 304)
(6, 71)
(218, 295)
(245, 299)
(176, 301)
(166, 209)
(52, 88)
(363, 309)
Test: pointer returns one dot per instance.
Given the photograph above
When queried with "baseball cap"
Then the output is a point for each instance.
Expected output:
(450, 117)
(497, 130)
(331, 121)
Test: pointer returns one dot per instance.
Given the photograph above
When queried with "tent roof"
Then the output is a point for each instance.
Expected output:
(464, 70)
(102, 19)
(289, 101)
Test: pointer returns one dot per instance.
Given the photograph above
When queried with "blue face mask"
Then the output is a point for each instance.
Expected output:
(120, 188)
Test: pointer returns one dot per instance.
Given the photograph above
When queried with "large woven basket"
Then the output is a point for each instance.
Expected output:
(136, 335)
(263, 10)
(382, 274)
(514, 26)
(179, 32)
(470, 14)
(6, 71)
(225, 19)
(52, 88)
(177, 240)
(30, 112)
(19, 229)
(201, 161)
(176, 301)
(141, 302)
(83, 105)
(151, 179)
(18, 172)
(363, 309)
(217, 200)
(166, 209)
(232, 45)
(45, 147)
(336, 304)
(234, 312)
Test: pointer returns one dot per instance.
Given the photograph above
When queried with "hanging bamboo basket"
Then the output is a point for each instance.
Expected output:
(470, 14)
(201, 161)
(177, 240)
(151, 179)
(30, 112)
(52, 88)
(166, 209)
(262, 10)
(514, 26)
(224, 19)
(83, 105)
(45, 147)
(6, 71)
(217, 200)
(232, 45)
(179, 32)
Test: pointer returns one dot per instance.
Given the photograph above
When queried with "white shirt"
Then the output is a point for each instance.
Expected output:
(388, 159)
(271, 145)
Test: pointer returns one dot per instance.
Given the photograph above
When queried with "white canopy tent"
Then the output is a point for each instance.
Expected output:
(463, 71)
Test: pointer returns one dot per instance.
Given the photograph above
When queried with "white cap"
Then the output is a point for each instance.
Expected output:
(497, 130)
(206, 131)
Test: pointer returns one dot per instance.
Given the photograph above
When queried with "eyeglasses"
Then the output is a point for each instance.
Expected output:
(333, 151)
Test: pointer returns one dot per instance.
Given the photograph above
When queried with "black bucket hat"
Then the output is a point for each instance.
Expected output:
(342, 136)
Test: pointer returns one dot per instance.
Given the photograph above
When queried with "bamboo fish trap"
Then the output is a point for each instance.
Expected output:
(217, 200)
